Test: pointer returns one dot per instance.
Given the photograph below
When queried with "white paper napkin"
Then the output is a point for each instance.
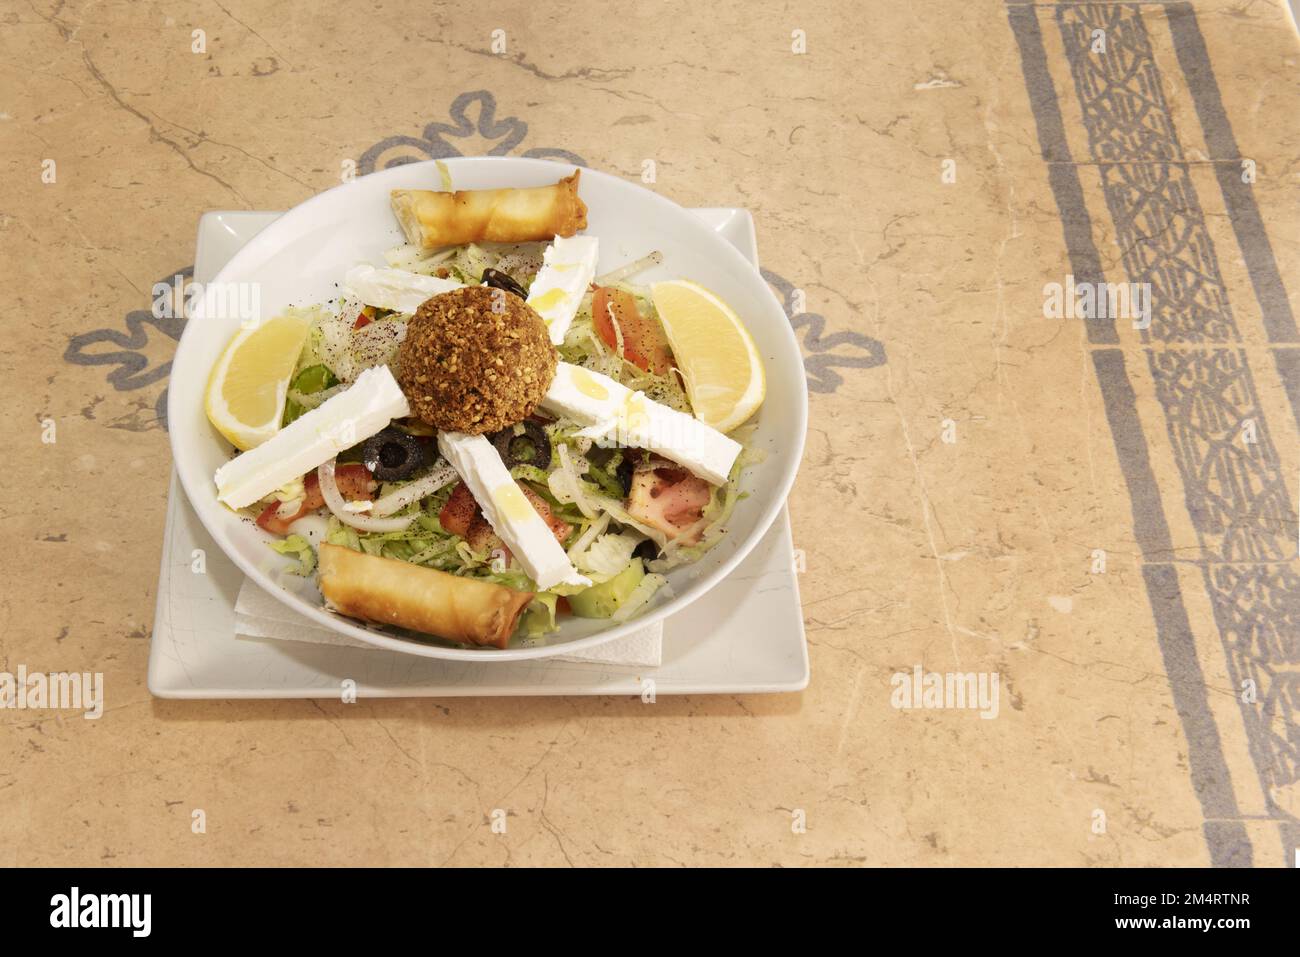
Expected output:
(261, 615)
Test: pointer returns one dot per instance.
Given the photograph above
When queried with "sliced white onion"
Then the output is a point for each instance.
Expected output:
(288, 507)
(404, 496)
(377, 343)
(334, 344)
(566, 485)
(624, 517)
(609, 554)
(310, 400)
(349, 308)
(589, 536)
(312, 526)
(631, 269)
(334, 500)
(617, 327)
(640, 596)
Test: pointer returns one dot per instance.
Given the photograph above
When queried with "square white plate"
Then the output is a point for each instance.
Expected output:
(745, 636)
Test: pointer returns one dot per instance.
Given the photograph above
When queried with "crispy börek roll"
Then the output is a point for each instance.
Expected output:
(433, 219)
(392, 592)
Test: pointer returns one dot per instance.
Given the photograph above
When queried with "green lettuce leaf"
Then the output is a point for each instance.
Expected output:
(539, 617)
(297, 547)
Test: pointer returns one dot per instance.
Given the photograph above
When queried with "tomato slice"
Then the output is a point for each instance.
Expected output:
(645, 344)
(271, 521)
(459, 512)
(461, 516)
(354, 481)
(558, 526)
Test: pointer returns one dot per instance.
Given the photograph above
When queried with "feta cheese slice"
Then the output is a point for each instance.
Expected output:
(568, 267)
(395, 289)
(338, 423)
(508, 511)
(616, 415)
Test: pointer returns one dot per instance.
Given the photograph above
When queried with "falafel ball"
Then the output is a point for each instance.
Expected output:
(475, 360)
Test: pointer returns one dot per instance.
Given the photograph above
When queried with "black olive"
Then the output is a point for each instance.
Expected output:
(647, 550)
(429, 449)
(529, 447)
(499, 280)
(392, 455)
(624, 473)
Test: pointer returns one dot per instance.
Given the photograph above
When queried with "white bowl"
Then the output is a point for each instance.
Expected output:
(301, 258)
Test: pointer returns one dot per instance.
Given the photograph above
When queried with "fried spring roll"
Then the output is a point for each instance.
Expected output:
(432, 219)
(392, 592)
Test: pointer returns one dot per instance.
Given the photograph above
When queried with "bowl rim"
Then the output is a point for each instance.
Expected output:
(196, 483)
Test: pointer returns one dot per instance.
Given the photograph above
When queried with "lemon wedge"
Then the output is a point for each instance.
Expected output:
(248, 385)
(715, 353)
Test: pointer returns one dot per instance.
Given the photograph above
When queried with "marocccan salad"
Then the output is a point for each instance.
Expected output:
(482, 435)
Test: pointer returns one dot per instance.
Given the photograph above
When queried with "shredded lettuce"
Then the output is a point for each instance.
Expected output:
(539, 617)
(640, 596)
(415, 259)
(607, 555)
(605, 475)
(614, 508)
(520, 261)
(297, 547)
(567, 485)
(529, 473)
(587, 535)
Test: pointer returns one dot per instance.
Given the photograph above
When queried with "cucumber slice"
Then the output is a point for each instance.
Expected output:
(601, 601)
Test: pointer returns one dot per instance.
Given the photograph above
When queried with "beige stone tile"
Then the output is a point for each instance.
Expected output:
(971, 556)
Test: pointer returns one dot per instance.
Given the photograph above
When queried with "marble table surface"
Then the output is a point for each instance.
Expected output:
(1092, 517)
